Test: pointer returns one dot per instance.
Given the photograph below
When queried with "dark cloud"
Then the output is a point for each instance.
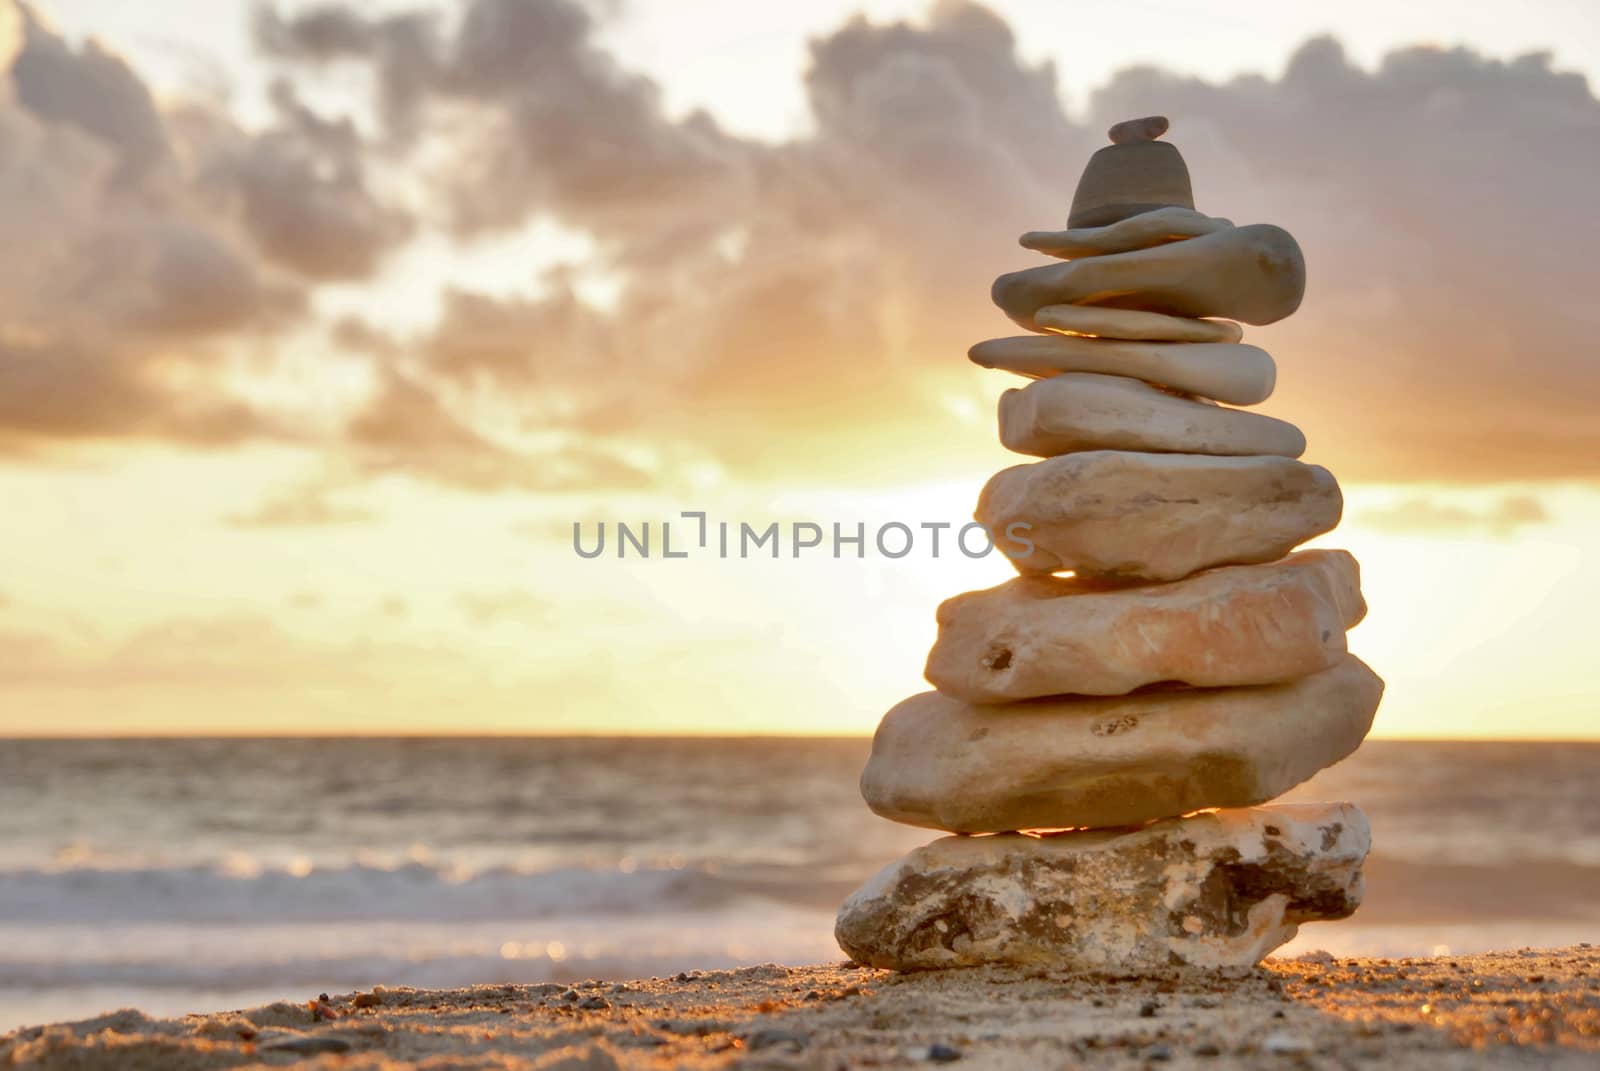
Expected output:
(767, 293)
(1439, 200)
(301, 191)
(91, 90)
(800, 306)
(778, 302)
(139, 247)
(1432, 517)
(409, 430)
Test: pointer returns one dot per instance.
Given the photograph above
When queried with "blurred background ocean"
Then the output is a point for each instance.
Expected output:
(183, 875)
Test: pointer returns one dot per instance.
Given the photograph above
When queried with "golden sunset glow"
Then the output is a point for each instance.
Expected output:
(309, 459)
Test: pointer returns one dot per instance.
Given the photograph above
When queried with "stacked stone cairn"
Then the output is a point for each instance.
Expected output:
(1117, 729)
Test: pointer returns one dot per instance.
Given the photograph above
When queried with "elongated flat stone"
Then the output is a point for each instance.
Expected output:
(1213, 890)
(1233, 373)
(1082, 411)
(1157, 227)
(942, 762)
(1255, 274)
(1237, 625)
(1155, 516)
(1095, 321)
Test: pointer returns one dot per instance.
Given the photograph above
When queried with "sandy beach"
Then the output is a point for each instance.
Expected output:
(1528, 1008)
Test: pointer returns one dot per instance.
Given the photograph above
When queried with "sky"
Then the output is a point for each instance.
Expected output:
(321, 326)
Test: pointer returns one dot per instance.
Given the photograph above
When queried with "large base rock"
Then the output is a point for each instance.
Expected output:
(1058, 635)
(1220, 889)
(1064, 763)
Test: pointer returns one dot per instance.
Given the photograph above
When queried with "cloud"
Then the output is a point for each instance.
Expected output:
(1438, 200)
(782, 309)
(301, 507)
(777, 300)
(1430, 516)
(493, 607)
(141, 245)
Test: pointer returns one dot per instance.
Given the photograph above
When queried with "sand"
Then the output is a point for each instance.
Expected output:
(1512, 1009)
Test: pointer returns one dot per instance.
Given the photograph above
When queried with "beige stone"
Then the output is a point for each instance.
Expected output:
(1148, 128)
(1229, 372)
(1213, 890)
(1142, 231)
(1093, 321)
(1255, 274)
(1237, 625)
(1155, 516)
(942, 762)
(1083, 411)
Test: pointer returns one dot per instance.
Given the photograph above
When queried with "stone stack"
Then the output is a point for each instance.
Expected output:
(1118, 728)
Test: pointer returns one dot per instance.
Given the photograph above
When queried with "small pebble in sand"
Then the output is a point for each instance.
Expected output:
(306, 1045)
(595, 1003)
(1148, 1009)
(1283, 1044)
(769, 1037)
(367, 1000)
(940, 1053)
(1207, 1048)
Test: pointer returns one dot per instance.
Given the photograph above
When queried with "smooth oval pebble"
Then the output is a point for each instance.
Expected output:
(1256, 274)
(1084, 411)
(1172, 223)
(1094, 321)
(1146, 128)
(1236, 373)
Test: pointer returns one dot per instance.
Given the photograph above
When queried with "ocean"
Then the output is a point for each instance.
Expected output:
(197, 875)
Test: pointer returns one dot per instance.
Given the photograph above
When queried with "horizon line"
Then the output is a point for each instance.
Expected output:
(580, 735)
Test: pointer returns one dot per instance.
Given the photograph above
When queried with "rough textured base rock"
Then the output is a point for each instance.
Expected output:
(1256, 274)
(1079, 411)
(940, 762)
(1242, 624)
(1229, 372)
(1155, 516)
(1211, 890)
(1098, 322)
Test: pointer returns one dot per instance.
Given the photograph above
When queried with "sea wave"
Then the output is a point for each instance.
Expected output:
(417, 890)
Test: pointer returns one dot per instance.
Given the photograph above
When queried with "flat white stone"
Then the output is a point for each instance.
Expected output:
(1155, 516)
(1094, 321)
(1082, 411)
(1214, 890)
(1073, 761)
(1237, 625)
(1256, 274)
(1228, 372)
(1147, 229)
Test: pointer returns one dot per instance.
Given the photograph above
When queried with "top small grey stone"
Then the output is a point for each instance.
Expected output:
(1147, 128)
